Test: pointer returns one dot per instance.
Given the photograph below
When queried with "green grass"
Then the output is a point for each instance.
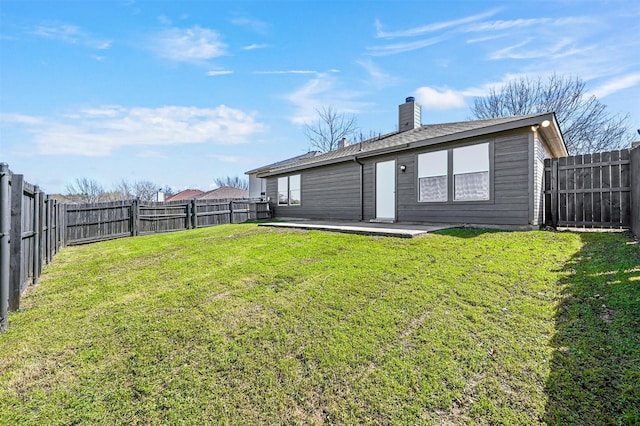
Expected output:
(245, 325)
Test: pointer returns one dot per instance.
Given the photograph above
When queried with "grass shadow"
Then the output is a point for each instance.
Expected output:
(595, 369)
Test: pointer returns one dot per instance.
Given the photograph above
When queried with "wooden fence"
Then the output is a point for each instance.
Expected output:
(635, 190)
(591, 190)
(30, 235)
(85, 223)
(34, 227)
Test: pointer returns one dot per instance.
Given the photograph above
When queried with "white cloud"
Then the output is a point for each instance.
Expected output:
(255, 46)
(530, 49)
(255, 25)
(71, 34)
(233, 159)
(219, 72)
(100, 131)
(377, 76)
(431, 98)
(393, 49)
(164, 20)
(278, 72)
(502, 25)
(617, 84)
(190, 44)
(324, 90)
(436, 26)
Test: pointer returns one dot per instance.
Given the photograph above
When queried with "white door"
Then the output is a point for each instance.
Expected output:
(386, 190)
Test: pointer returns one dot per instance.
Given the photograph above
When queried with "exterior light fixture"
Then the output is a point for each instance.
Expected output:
(545, 123)
(403, 168)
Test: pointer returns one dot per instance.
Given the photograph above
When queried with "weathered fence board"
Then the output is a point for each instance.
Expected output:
(5, 243)
(634, 179)
(86, 223)
(591, 190)
(30, 237)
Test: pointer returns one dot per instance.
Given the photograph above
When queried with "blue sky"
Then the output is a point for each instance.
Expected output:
(180, 93)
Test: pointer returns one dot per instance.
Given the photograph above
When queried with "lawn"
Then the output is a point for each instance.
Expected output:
(239, 324)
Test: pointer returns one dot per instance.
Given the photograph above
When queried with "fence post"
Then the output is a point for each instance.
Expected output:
(5, 244)
(634, 156)
(135, 217)
(38, 232)
(63, 225)
(231, 212)
(17, 264)
(194, 213)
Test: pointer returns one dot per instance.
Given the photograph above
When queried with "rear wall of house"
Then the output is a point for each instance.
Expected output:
(330, 192)
(333, 192)
(509, 186)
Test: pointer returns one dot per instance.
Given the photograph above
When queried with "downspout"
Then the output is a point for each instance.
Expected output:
(355, 158)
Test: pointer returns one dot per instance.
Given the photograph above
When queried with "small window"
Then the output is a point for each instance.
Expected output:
(432, 176)
(471, 173)
(283, 191)
(289, 191)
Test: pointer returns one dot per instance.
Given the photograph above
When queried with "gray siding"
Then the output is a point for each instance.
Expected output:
(330, 192)
(333, 192)
(509, 203)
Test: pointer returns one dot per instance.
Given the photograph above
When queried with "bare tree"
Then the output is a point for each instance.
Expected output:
(585, 123)
(168, 191)
(145, 190)
(329, 129)
(85, 190)
(232, 181)
(124, 189)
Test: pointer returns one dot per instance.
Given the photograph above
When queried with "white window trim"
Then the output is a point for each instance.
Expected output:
(450, 176)
(477, 165)
(437, 172)
(286, 183)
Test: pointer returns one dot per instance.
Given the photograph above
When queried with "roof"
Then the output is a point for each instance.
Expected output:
(187, 194)
(430, 134)
(283, 162)
(224, 193)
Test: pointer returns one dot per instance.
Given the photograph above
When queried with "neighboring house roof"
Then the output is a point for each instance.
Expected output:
(224, 193)
(283, 162)
(430, 134)
(187, 194)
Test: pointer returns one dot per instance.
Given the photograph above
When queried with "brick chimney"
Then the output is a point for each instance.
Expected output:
(410, 115)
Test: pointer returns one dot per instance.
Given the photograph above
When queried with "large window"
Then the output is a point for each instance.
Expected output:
(471, 173)
(466, 180)
(289, 190)
(432, 176)
(294, 190)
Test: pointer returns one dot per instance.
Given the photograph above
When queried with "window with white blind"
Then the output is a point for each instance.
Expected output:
(432, 176)
(471, 173)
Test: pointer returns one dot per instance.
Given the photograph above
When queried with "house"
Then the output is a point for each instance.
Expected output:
(257, 186)
(187, 194)
(224, 193)
(482, 172)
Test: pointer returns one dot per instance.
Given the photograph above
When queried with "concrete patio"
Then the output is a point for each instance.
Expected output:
(400, 230)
